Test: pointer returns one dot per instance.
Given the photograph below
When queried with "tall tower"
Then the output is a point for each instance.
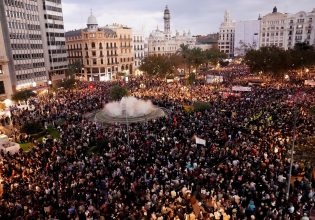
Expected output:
(167, 21)
(227, 17)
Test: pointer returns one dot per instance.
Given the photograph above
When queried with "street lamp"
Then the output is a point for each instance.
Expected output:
(292, 150)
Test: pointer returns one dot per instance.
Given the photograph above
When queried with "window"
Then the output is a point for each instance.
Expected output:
(93, 45)
(1, 71)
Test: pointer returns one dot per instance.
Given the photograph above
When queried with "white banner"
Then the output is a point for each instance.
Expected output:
(200, 141)
(309, 83)
(214, 79)
(242, 88)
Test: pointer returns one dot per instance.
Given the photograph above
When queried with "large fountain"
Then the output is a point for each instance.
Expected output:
(128, 110)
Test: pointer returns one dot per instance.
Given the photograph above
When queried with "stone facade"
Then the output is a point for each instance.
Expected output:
(227, 35)
(162, 42)
(103, 51)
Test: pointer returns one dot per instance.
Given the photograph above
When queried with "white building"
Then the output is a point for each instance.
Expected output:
(226, 35)
(273, 29)
(25, 47)
(162, 42)
(246, 36)
(301, 28)
(138, 48)
(55, 37)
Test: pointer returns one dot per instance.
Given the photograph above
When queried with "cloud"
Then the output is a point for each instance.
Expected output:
(199, 16)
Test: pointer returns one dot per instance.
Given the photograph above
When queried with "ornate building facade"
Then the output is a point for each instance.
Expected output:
(138, 48)
(301, 28)
(285, 30)
(273, 29)
(227, 35)
(162, 42)
(103, 51)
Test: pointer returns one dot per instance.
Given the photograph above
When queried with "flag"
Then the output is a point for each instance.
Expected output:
(200, 141)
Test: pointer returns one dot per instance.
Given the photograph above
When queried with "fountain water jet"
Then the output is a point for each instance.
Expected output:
(128, 109)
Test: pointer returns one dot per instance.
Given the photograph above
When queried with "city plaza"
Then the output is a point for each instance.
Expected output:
(224, 144)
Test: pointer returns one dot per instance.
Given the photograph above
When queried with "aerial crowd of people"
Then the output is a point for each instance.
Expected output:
(91, 172)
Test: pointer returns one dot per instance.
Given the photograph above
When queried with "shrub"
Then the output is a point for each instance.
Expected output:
(32, 128)
(201, 106)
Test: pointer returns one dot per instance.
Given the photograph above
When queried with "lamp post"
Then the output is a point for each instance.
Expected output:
(292, 150)
(127, 125)
(49, 85)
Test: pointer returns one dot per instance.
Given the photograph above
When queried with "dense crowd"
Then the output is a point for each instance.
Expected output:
(241, 172)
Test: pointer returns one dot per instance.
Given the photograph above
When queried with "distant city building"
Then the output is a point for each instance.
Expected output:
(273, 29)
(5, 79)
(32, 44)
(103, 51)
(55, 37)
(162, 42)
(301, 28)
(138, 48)
(246, 36)
(206, 42)
(226, 35)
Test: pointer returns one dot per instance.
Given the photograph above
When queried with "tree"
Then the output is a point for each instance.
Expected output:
(117, 92)
(32, 128)
(197, 57)
(185, 53)
(160, 65)
(214, 55)
(190, 81)
(201, 106)
(74, 68)
(23, 95)
(276, 61)
(270, 60)
(67, 84)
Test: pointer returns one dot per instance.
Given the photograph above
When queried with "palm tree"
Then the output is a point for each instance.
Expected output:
(185, 53)
(197, 57)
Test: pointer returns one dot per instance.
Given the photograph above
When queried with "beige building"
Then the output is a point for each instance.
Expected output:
(273, 29)
(103, 51)
(227, 35)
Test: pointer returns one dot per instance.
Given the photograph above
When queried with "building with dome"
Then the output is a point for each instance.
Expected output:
(103, 51)
(162, 42)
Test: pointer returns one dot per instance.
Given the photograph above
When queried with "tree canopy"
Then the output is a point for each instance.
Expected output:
(23, 95)
(166, 65)
(160, 65)
(66, 84)
(117, 92)
(74, 68)
(276, 61)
